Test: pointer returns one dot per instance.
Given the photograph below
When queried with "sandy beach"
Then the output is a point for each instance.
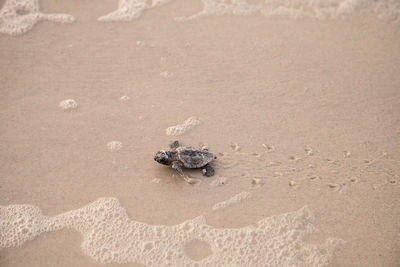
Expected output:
(303, 114)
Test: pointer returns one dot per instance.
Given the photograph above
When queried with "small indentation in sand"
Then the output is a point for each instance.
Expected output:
(235, 147)
(219, 181)
(308, 151)
(156, 180)
(257, 181)
(268, 147)
(273, 163)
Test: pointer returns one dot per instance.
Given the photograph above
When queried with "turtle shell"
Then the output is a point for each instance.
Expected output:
(192, 157)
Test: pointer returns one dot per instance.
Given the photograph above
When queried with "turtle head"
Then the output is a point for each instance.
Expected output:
(163, 157)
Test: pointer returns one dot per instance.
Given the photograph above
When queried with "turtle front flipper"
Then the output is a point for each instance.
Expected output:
(177, 165)
(174, 145)
(208, 170)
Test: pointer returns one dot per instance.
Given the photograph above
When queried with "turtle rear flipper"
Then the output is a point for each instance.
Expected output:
(207, 170)
(203, 146)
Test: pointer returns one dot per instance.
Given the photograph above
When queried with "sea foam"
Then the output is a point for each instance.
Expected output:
(131, 9)
(182, 128)
(110, 236)
(68, 104)
(318, 9)
(233, 200)
(19, 16)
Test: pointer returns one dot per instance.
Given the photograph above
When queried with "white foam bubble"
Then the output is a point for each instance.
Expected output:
(131, 9)
(68, 104)
(124, 98)
(19, 16)
(182, 128)
(140, 43)
(165, 74)
(233, 200)
(318, 9)
(114, 145)
(110, 236)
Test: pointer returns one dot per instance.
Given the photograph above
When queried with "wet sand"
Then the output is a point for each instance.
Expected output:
(330, 86)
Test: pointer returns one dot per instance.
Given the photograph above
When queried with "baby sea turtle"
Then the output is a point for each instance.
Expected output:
(188, 157)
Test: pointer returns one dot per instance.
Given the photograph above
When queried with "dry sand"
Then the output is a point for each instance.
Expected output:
(324, 94)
